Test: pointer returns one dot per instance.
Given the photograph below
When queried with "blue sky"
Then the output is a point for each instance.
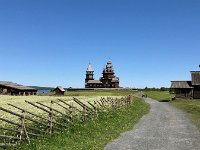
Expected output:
(50, 42)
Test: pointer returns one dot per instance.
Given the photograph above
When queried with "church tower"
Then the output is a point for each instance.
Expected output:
(109, 79)
(89, 74)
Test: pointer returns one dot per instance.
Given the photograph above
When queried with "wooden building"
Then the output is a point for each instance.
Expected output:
(187, 89)
(108, 80)
(59, 90)
(196, 84)
(11, 88)
(182, 89)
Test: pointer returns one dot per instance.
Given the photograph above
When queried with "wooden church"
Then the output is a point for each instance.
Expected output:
(108, 80)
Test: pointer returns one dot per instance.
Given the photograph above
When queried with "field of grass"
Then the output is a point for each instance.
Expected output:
(192, 107)
(20, 102)
(94, 134)
(99, 93)
(81, 95)
(159, 95)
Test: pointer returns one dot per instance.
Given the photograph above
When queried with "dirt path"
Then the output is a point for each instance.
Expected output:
(164, 128)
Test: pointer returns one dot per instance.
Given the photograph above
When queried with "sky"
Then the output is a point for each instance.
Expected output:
(51, 42)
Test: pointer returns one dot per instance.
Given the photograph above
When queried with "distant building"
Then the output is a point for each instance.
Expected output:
(108, 80)
(187, 89)
(16, 89)
(59, 90)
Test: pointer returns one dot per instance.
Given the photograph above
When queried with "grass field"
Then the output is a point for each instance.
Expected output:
(81, 95)
(20, 102)
(99, 93)
(159, 95)
(94, 134)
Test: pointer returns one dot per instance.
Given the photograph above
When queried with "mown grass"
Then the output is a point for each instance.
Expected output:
(94, 134)
(192, 107)
(159, 95)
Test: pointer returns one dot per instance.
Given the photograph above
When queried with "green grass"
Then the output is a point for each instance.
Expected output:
(99, 92)
(94, 134)
(192, 107)
(89, 95)
(159, 95)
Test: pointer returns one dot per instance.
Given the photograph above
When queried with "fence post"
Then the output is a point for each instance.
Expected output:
(130, 99)
(50, 124)
(71, 111)
(113, 103)
(84, 113)
(22, 129)
(126, 99)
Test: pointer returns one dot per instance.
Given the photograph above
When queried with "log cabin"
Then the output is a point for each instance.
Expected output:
(11, 88)
(59, 90)
(187, 89)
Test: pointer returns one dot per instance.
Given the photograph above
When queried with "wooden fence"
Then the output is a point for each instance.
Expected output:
(31, 125)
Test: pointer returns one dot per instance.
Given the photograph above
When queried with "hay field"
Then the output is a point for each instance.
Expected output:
(20, 102)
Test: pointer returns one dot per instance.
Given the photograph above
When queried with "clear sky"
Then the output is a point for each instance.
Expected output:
(50, 42)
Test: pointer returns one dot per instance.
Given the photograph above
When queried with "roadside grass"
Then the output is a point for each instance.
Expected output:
(93, 134)
(159, 95)
(192, 107)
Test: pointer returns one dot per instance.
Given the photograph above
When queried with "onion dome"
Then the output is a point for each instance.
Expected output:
(89, 68)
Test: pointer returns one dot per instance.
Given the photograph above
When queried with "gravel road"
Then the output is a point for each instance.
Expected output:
(163, 128)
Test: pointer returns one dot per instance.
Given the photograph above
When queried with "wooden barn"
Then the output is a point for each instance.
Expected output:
(182, 89)
(187, 89)
(59, 90)
(11, 88)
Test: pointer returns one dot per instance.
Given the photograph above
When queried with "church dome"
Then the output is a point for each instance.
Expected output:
(89, 68)
(109, 64)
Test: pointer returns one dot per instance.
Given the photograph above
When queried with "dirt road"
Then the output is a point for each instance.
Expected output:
(163, 128)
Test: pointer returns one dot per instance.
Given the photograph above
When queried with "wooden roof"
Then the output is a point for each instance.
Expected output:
(181, 85)
(115, 79)
(60, 88)
(94, 82)
(15, 86)
(195, 77)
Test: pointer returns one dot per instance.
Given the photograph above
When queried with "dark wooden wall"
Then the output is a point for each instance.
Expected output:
(196, 92)
(183, 93)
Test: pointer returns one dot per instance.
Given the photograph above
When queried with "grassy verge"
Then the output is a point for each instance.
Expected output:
(93, 134)
(159, 95)
(192, 107)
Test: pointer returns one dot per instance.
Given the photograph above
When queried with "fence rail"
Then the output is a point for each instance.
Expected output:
(29, 127)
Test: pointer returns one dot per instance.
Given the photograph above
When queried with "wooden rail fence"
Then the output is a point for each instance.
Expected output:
(32, 125)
